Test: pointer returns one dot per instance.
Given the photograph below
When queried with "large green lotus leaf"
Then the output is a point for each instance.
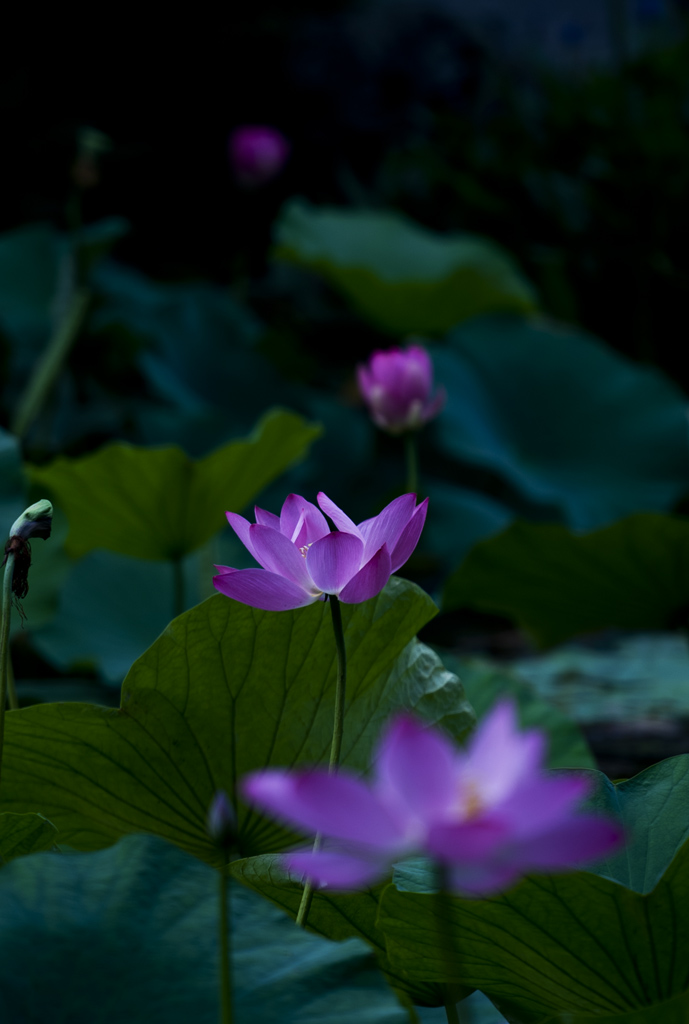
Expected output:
(572, 424)
(584, 945)
(485, 683)
(633, 574)
(669, 1011)
(397, 273)
(652, 808)
(225, 690)
(24, 833)
(334, 915)
(157, 502)
(131, 934)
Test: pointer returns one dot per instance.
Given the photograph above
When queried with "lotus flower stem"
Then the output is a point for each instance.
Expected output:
(338, 727)
(447, 943)
(35, 521)
(50, 363)
(451, 1010)
(340, 685)
(412, 453)
(225, 948)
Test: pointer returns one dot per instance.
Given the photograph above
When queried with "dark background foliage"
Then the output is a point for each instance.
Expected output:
(431, 107)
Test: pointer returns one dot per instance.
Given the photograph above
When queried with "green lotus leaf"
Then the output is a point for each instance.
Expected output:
(398, 274)
(24, 833)
(225, 690)
(556, 584)
(131, 934)
(157, 503)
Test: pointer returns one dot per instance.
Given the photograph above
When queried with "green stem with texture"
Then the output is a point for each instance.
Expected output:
(338, 728)
(443, 912)
(51, 362)
(340, 685)
(5, 643)
(412, 454)
(451, 1010)
(225, 949)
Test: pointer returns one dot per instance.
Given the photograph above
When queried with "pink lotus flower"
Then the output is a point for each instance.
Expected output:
(257, 153)
(397, 387)
(303, 561)
(488, 813)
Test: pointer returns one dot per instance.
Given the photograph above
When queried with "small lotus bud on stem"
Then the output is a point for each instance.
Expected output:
(35, 521)
(221, 822)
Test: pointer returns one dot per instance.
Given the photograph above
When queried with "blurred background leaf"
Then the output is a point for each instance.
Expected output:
(404, 278)
(58, 962)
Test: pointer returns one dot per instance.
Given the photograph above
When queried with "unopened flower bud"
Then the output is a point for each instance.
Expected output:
(221, 822)
(397, 386)
(35, 521)
(257, 153)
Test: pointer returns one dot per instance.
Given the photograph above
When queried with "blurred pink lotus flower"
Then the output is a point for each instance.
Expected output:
(397, 387)
(489, 813)
(257, 153)
(303, 561)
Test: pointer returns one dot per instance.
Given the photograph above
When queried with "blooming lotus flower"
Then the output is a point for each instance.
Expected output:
(489, 813)
(257, 153)
(303, 561)
(397, 387)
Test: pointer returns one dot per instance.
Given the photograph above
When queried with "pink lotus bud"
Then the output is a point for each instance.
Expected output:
(257, 153)
(397, 387)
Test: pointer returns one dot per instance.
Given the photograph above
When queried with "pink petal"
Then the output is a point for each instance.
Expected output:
(434, 405)
(279, 555)
(264, 518)
(333, 560)
(415, 768)
(569, 844)
(466, 842)
(388, 525)
(340, 519)
(422, 366)
(501, 757)
(225, 570)
(261, 589)
(301, 522)
(335, 870)
(542, 802)
(339, 806)
(241, 527)
(409, 537)
(370, 580)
